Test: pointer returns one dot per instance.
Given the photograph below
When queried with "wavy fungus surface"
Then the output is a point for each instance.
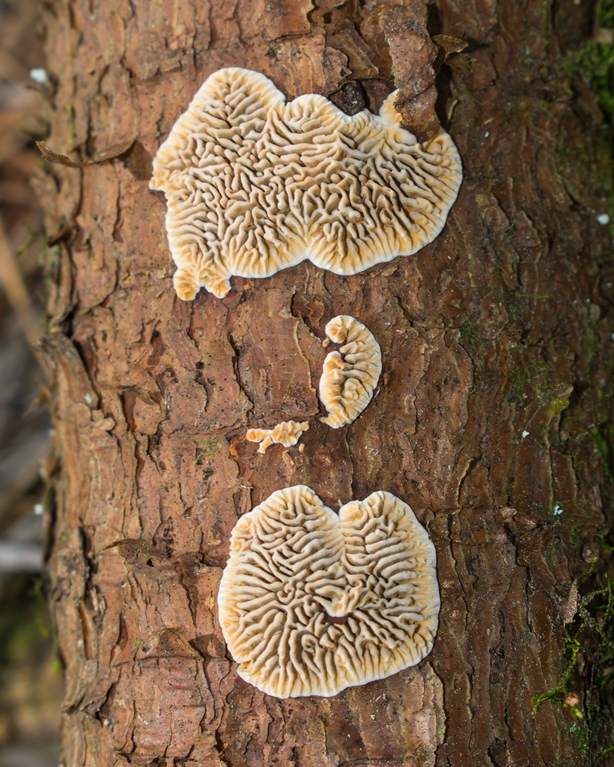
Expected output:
(255, 184)
(350, 375)
(286, 433)
(311, 603)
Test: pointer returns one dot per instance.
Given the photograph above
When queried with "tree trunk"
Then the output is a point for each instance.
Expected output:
(495, 350)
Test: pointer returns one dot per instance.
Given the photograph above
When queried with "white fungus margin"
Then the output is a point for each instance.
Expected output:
(255, 184)
(350, 375)
(312, 602)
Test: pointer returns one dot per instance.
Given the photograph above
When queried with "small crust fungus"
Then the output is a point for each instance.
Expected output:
(286, 433)
(255, 184)
(311, 603)
(349, 375)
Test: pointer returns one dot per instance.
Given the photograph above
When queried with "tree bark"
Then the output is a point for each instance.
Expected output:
(495, 346)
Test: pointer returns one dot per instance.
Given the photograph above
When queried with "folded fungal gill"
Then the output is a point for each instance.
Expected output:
(350, 375)
(312, 602)
(286, 433)
(255, 184)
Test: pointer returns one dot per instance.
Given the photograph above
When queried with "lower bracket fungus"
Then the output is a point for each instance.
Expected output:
(255, 184)
(286, 433)
(311, 603)
(350, 375)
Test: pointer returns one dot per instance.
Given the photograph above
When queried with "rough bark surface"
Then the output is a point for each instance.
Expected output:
(494, 344)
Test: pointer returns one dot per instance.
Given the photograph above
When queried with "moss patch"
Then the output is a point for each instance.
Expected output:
(591, 639)
(594, 61)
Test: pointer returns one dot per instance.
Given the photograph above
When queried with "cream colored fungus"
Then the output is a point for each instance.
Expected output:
(312, 602)
(350, 375)
(255, 184)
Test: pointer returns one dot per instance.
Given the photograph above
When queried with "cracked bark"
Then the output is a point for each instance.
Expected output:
(496, 329)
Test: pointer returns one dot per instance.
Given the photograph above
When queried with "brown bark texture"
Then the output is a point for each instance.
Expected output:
(495, 351)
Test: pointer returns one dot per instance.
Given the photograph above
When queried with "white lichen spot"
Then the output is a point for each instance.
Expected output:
(39, 75)
(349, 375)
(603, 219)
(286, 433)
(255, 184)
(312, 602)
(558, 510)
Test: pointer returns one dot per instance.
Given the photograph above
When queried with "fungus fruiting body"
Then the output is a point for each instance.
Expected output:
(286, 433)
(349, 375)
(255, 184)
(312, 602)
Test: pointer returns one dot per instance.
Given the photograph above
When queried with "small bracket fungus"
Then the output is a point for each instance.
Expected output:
(311, 603)
(255, 184)
(349, 375)
(286, 433)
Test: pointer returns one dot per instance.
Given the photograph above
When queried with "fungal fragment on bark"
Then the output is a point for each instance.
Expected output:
(312, 602)
(286, 433)
(350, 375)
(255, 184)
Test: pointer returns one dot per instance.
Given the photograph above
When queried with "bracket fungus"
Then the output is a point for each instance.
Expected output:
(286, 433)
(311, 603)
(255, 184)
(350, 375)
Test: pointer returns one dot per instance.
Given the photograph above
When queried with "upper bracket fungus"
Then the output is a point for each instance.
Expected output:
(311, 603)
(255, 184)
(349, 375)
(286, 433)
